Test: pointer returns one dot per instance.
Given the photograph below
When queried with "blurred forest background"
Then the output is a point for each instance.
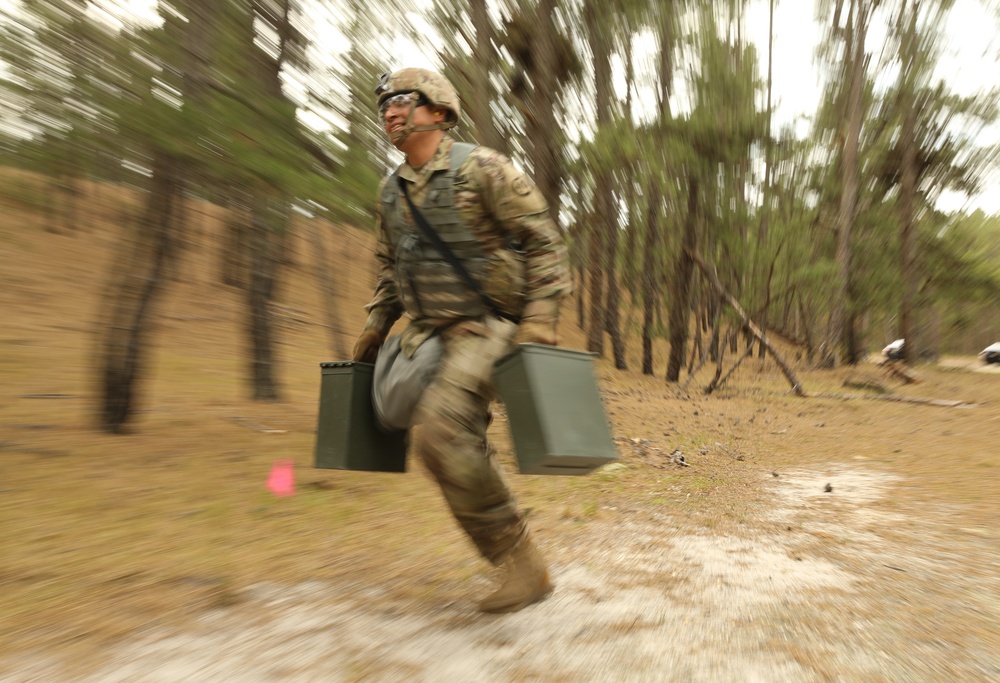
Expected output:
(696, 223)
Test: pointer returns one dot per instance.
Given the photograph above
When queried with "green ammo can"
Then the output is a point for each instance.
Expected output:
(554, 408)
(347, 437)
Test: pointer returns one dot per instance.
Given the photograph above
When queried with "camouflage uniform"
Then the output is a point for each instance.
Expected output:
(494, 200)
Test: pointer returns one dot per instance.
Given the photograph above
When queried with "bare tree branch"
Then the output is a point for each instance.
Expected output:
(714, 279)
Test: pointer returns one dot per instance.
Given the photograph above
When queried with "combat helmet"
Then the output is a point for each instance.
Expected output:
(424, 86)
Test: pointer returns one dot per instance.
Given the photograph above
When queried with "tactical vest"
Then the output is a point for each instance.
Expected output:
(429, 285)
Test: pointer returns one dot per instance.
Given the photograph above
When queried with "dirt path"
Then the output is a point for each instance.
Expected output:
(822, 586)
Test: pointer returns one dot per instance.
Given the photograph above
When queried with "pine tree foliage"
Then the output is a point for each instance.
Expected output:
(648, 125)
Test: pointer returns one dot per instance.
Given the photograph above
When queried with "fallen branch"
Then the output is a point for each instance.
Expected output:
(704, 359)
(701, 350)
(901, 371)
(714, 279)
(866, 384)
(256, 426)
(940, 403)
(715, 385)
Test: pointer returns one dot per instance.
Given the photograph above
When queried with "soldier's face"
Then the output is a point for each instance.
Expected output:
(395, 117)
(402, 102)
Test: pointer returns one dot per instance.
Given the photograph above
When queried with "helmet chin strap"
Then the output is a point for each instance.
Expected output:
(399, 137)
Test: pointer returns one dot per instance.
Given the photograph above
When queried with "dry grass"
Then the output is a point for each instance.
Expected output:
(105, 537)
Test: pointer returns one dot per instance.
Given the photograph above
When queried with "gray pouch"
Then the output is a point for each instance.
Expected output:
(399, 381)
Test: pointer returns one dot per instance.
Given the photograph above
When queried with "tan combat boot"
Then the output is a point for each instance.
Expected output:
(527, 581)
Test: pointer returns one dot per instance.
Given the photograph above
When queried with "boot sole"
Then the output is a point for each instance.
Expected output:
(518, 606)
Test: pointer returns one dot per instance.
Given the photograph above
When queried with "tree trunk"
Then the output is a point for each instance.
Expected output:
(852, 342)
(696, 346)
(654, 239)
(649, 275)
(666, 58)
(907, 193)
(541, 119)
(578, 255)
(267, 226)
(604, 223)
(233, 251)
(716, 346)
(720, 360)
(595, 326)
(142, 278)
(123, 348)
(327, 291)
(849, 194)
(484, 59)
(769, 144)
(765, 216)
(72, 192)
(612, 321)
(682, 284)
(269, 223)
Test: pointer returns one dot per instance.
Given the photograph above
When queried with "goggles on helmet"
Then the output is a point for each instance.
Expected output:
(402, 100)
(383, 83)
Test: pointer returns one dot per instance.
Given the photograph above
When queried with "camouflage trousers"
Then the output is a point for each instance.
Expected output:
(453, 415)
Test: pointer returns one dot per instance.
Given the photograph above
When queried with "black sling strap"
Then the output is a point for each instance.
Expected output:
(449, 256)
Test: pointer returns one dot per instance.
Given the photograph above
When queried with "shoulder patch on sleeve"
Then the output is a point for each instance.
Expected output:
(520, 186)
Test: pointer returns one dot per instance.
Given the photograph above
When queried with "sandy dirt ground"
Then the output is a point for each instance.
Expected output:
(971, 365)
(805, 540)
(638, 602)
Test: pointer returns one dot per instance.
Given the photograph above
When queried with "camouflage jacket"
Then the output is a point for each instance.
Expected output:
(495, 201)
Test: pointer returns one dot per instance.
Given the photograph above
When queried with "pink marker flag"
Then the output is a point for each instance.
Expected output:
(281, 481)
